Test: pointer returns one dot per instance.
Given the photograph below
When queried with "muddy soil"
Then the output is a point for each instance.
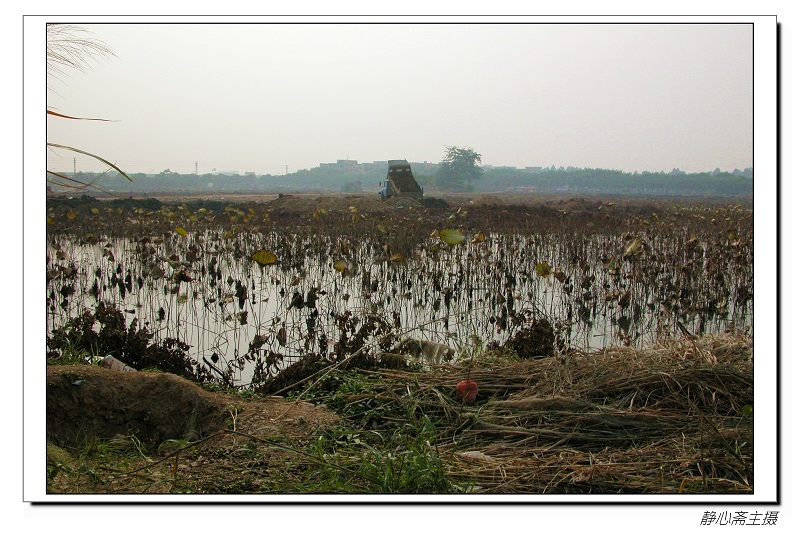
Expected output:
(85, 403)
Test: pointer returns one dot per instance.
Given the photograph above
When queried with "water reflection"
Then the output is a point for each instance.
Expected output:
(205, 290)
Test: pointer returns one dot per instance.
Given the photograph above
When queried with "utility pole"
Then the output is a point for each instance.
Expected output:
(195, 168)
(287, 169)
(74, 167)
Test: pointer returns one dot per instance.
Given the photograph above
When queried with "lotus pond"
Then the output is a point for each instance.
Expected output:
(245, 289)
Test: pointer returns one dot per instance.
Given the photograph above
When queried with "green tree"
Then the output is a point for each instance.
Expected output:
(459, 169)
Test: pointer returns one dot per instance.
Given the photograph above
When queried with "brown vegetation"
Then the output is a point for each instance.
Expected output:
(673, 416)
(676, 418)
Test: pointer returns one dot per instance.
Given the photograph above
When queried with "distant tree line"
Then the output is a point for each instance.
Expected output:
(489, 179)
(597, 180)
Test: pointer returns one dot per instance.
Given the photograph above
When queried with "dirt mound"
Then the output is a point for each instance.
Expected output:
(577, 204)
(333, 203)
(403, 202)
(74, 202)
(86, 402)
(488, 200)
(132, 203)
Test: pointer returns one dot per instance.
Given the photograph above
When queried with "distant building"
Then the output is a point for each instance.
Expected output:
(425, 167)
(349, 166)
(374, 166)
(352, 166)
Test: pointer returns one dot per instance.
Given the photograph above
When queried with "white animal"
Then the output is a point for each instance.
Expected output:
(429, 353)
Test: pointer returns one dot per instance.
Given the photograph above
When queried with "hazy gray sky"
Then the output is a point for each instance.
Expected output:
(259, 97)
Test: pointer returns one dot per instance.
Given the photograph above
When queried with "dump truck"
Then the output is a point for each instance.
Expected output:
(400, 181)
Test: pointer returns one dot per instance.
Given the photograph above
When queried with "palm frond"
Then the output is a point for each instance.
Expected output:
(72, 47)
(112, 165)
(76, 184)
(49, 112)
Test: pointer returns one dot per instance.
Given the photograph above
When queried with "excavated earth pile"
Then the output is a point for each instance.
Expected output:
(86, 402)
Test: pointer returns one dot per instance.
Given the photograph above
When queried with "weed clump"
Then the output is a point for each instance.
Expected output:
(104, 332)
(533, 342)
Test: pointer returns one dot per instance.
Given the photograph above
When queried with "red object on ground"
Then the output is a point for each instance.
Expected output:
(467, 391)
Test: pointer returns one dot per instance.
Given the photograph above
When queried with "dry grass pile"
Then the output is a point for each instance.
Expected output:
(675, 418)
